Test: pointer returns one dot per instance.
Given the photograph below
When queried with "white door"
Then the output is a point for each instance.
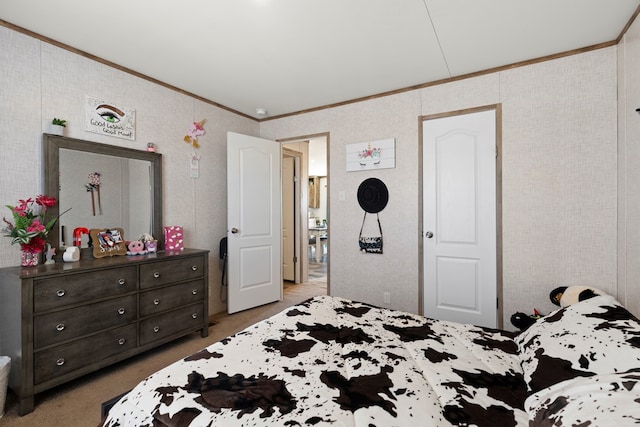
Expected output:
(253, 221)
(460, 240)
(288, 223)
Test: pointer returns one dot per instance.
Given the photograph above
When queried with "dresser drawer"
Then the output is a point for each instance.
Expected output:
(161, 273)
(57, 292)
(164, 325)
(52, 328)
(157, 300)
(60, 360)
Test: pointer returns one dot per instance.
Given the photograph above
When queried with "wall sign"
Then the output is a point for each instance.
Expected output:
(110, 119)
(371, 155)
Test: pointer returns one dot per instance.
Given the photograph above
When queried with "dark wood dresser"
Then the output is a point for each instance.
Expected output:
(62, 321)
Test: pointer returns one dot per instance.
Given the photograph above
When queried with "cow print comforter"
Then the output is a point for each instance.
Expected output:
(335, 362)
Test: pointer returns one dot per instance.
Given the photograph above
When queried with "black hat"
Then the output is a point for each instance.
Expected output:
(373, 195)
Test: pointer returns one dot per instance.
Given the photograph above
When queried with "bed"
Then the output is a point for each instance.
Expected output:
(335, 362)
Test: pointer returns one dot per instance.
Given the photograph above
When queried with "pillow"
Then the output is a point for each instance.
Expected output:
(601, 400)
(594, 336)
(567, 295)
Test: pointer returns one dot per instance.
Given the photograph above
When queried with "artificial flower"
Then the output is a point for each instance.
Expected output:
(29, 227)
(194, 132)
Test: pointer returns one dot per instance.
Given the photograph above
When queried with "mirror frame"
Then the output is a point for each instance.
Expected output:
(51, 151)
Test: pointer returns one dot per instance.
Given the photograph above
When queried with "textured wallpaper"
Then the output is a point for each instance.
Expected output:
(39, 81)
(559, 161)
(629, 172)
(559, 164)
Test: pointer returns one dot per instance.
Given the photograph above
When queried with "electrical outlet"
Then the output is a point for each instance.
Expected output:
(387, 297)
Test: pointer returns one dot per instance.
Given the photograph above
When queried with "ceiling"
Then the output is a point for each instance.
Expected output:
(287, 56)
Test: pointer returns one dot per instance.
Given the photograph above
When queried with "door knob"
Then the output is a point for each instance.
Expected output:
(234, 230)
(428, 234)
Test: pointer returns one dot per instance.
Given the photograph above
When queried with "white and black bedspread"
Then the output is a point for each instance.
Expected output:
(335, 362)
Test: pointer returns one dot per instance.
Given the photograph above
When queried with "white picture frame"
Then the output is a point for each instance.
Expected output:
(370, 155)
(107, 118)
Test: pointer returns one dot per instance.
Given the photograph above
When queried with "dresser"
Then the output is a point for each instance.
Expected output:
(61, 321)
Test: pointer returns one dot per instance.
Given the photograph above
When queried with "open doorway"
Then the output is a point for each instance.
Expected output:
(311, 214)
(291, 248)
(317, 223)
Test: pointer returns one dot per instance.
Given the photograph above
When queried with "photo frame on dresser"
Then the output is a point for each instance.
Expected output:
(108, 242)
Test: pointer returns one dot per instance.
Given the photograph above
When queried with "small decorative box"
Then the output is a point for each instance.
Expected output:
(173, 238)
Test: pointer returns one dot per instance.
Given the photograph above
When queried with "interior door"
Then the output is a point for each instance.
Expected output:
(254, 227)
(288, 219)
(460, 234)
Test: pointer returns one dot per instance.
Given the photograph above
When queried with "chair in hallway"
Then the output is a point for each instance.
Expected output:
(313, 246)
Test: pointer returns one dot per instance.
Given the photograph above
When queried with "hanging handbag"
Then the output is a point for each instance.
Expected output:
(370, 245)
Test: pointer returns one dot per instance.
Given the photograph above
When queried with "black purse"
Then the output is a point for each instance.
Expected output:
(370, 245)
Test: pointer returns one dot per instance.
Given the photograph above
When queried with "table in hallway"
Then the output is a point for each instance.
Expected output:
(318, 233)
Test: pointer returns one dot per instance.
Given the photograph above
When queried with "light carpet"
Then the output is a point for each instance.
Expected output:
(78, 402)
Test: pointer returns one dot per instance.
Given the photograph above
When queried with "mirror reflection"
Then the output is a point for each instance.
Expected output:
(104, 186)
(103, 191)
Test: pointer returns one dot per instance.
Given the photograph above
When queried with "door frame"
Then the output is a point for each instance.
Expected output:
(304, 202)
(499, 273)
(297, 214)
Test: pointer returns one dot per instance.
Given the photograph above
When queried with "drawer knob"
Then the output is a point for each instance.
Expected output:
(121, 311)
(121, 341)
(121, 282)
(60, 327)
(194, 267)
(156, 329)
(194, 292)
(156, 301)
(60, 292)
(194, 315)
(60, 362)
(156, 274)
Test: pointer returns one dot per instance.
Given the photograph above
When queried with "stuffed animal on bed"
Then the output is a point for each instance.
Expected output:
(562, 296)
(522, 320)
(567, 295)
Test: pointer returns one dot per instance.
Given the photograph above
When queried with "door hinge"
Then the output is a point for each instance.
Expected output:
(295, 259)
(295, 179)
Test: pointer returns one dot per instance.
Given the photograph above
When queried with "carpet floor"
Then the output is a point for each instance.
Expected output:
(78, 402)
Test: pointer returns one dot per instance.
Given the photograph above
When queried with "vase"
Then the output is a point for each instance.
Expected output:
(56, 130)
(30, 259)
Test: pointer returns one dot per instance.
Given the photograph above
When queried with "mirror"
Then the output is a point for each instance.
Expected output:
(105, 186)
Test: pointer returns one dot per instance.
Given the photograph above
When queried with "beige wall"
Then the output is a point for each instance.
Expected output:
(559, 180)
(629, 169)
(39, 81)
(560, 159)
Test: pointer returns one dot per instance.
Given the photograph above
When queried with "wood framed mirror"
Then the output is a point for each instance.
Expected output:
(130, 190)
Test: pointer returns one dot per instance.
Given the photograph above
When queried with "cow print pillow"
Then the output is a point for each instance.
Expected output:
(595, 336)
(601, 400)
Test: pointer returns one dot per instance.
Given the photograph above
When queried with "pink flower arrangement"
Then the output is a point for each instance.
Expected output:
(29, 227)
(370, 152)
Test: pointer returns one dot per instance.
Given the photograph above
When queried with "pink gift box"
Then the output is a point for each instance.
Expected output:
(173, 238)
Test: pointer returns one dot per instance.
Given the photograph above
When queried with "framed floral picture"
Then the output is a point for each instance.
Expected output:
(108, 242)
(371, 155)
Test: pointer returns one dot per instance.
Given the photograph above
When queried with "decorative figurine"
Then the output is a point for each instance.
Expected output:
(49, 254)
